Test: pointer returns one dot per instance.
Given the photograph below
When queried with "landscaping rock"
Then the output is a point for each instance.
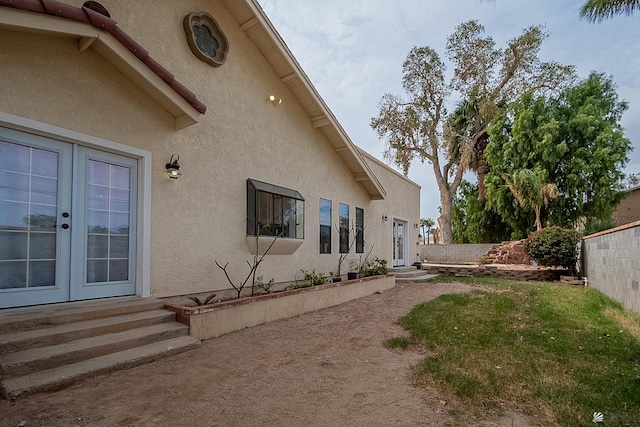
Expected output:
(507, 253)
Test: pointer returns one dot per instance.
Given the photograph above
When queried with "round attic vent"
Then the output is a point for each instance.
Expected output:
(205, 39)
(97, 7)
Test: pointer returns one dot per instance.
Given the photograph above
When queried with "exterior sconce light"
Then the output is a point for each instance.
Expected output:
(416, 225)
(385, 218)
(275, 99)
(173, 168)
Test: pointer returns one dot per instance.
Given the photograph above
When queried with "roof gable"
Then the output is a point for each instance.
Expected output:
(175, 103)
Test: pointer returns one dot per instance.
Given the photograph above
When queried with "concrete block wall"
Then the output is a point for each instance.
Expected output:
(611, 263)
(454, 252)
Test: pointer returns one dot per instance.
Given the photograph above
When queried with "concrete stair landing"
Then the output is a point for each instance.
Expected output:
(410, 274)
(48, 347)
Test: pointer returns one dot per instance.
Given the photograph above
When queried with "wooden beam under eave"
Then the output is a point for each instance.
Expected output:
(85, 43)
(361, 177)
(249, 24)
(320, 122)
(288, 77)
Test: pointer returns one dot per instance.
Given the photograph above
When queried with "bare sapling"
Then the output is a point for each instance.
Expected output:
(253, 266)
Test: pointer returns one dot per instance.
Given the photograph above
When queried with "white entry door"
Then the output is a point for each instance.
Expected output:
(399, 249)
(67, 221)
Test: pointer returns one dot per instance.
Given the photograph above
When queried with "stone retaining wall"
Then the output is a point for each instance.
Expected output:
(529, 274)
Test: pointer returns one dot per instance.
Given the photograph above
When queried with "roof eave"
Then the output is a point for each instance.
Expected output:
(258, 28)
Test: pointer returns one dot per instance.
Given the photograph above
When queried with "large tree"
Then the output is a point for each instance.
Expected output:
(473, 221)
(576, 139)
(465, 122)
(416, 126)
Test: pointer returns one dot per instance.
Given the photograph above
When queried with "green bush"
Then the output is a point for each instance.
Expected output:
(374, 268)
(312, 278)
(554, 247)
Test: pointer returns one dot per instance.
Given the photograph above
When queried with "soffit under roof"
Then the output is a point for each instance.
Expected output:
(260, 31)
(130, 63)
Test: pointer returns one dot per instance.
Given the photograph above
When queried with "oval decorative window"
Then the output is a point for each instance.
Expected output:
(205, 38)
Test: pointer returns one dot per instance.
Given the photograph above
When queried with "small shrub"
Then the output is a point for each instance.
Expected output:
(312, 278)
(484, 260)
(264, 287)
(554, 247)
(206, 301)
(374, 268)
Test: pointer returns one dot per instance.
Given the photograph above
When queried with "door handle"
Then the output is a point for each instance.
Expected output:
(65, 225)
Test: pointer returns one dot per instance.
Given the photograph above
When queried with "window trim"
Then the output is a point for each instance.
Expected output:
(143, 217)
(343, 228)
(359, 230)
(253, 188)
(320, 225)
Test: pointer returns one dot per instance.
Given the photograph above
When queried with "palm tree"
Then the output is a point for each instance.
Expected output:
(530, 190)
(428, 223)
(467, 125)
(599, 10)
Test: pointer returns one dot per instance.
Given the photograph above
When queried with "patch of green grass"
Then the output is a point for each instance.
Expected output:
(542, 348)
(397, 342)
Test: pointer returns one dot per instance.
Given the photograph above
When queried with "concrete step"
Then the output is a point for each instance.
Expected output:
(417, 278)
(55, 378)
(406, 272)
(29, 318)
(23, 340)
(40, 358)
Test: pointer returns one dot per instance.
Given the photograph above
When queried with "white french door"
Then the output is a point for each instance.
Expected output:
(399, 243)
(67, 221)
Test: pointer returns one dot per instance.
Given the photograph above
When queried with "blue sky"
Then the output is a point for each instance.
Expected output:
(352, 50)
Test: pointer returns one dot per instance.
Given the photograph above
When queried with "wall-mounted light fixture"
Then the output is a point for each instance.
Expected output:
(385, 218)
(173, 168)
(416, 225)
(275, 99)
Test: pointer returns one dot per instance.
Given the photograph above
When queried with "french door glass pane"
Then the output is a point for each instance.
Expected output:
(400, 241)
(108, 220)
(28, 213)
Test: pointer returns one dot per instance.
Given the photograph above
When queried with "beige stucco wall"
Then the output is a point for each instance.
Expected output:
(629, 208)
(402, 202)
(201, 217)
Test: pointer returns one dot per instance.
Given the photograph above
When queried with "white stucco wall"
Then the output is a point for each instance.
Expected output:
(202, 217)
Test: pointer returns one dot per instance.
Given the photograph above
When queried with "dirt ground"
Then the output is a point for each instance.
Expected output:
(326, 368)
